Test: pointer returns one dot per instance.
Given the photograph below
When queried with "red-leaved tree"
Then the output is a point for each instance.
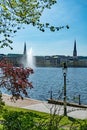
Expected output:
(15, 79)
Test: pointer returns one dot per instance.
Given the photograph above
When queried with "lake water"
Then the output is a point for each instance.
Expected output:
(46, 79)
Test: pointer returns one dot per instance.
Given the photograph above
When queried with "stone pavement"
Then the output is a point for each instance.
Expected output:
(80, 113)
(44, 106)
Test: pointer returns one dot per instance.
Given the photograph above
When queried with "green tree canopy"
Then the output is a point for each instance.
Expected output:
(15, 13)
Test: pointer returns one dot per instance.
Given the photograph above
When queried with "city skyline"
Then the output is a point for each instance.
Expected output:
(60, 42)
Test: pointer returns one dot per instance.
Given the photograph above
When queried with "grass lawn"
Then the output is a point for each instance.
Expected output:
(64, 123)
(1, 127)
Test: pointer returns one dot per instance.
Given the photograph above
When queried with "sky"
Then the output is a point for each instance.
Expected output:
(71, 12)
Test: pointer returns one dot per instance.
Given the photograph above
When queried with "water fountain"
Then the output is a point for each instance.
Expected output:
(28, 59)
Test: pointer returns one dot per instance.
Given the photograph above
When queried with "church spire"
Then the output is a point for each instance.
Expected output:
(24, 58)
(75, 50)
(25, 51)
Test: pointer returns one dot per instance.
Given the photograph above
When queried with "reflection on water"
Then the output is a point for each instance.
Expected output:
(47, 79)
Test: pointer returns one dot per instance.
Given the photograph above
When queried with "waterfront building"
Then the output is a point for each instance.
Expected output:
(14, 58)
(48, 61)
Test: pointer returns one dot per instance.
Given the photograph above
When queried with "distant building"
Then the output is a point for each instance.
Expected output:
(24, 56)
(16, 59)
(25, 50)
(48, 61)
(75, 51)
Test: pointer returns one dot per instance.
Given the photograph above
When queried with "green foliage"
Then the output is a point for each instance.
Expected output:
(1, 127)
(22, 119)
(1, 102)
(81, 125)
(16, 13)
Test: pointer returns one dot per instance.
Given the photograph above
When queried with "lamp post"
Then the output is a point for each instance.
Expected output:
(64, 75)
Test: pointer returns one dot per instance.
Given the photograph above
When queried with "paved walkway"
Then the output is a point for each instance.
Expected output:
(44, 106)
(79, 113)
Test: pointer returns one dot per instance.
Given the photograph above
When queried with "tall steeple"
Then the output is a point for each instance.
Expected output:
(25, 51)
(75, 50)
(24, 58)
